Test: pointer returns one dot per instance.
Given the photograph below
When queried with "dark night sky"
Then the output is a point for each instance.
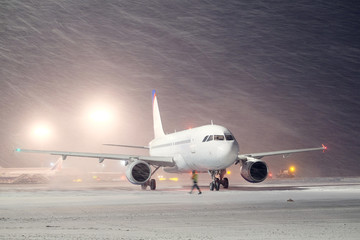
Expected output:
(280, 75)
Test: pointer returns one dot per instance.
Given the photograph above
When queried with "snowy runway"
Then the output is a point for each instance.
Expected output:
(110, 211)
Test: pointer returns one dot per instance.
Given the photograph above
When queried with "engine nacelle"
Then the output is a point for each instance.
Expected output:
(254, 170)
(138, 172)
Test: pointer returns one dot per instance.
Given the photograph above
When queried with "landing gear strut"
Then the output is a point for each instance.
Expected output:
(216, 182)
(150, 182)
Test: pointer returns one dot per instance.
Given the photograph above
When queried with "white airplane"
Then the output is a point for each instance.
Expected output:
(16, 172)
(209, 148)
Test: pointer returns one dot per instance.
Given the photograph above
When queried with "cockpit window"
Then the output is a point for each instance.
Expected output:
(229, 137)
(219, 137)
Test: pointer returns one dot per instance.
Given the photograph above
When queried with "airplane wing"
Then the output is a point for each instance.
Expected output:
(152, 160)
(284, 153)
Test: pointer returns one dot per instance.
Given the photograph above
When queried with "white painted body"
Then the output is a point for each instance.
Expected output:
(209, 148)
(189, 152)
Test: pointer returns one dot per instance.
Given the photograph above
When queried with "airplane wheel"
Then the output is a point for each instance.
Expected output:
(143, 186)
(226, 183)
(212, 186)
(217, 184)
(152, 184)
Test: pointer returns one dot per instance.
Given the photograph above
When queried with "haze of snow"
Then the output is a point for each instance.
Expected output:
(278, 75)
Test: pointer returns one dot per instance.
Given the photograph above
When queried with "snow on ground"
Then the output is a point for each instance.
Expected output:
(110, 211)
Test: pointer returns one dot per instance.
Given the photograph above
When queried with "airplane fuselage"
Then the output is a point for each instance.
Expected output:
(209, 148)
(203, 148)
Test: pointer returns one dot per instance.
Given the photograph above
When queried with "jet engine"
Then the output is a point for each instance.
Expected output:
(138, 172)
(254, 170)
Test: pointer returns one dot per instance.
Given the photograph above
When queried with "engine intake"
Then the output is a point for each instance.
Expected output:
(138, 172)
(254, 170)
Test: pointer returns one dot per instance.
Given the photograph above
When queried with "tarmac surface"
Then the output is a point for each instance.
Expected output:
(277, 209)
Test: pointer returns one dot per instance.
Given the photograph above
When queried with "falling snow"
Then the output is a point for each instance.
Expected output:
(280, 75)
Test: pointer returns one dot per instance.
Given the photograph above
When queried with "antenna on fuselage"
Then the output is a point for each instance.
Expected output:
(212, 122)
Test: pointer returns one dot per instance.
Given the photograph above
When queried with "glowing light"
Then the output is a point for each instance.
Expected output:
(162, 179)
(292, 169)
(41, 131)
(175, 179)
(100, 116)
(324, 147)
(228, 172)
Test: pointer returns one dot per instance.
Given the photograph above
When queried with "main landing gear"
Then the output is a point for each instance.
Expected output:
(150, 182)
(216, 182)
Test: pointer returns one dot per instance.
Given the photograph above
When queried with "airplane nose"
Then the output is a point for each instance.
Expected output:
(234, 151)
(228, 151)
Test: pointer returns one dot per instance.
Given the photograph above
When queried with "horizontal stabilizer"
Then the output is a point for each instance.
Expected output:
(127, 146)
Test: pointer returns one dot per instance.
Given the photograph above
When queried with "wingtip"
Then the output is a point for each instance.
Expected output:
(324, 147)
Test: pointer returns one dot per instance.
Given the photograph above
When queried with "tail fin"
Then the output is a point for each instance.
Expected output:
(58, 165)
(158, 129)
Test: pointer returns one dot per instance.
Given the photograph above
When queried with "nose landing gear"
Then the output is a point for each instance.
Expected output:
(216, 182)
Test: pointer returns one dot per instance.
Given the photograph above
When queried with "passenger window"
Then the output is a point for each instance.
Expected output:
(229, 137)
(210, 138)
(205, 138)
(219, 137)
